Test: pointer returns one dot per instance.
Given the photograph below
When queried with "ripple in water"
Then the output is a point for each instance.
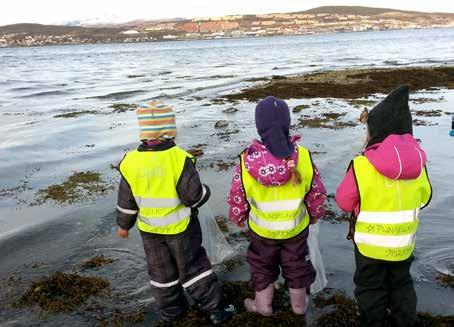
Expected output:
(430, 265)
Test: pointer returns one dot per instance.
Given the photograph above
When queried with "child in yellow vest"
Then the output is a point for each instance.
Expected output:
(160, 189)
(385, 189)
(278, 191)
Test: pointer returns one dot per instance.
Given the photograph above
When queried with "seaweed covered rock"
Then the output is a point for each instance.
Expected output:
(97, 261)
(236, 293)
(345, 311)
(428, 320)
(446, 280)
(62, 292)
(78, 186)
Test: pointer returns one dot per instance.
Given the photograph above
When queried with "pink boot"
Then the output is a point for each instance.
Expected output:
(298, 300)
(262, 304)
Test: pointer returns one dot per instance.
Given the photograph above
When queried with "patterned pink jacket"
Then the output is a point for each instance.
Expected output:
(271, 171)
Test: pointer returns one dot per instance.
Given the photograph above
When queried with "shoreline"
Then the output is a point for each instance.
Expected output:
(223, 38)
(347, 83)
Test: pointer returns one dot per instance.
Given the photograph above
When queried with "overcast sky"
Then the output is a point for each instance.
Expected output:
(54, 11)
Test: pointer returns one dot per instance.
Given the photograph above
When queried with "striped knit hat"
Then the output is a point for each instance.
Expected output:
(156, 120)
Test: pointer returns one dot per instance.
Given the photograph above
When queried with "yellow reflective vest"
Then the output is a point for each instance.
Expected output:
(387, 222)
(279, 212)
(153, 177)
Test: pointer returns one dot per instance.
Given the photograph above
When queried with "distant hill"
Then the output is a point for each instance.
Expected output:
(354, 10)
(54, 29)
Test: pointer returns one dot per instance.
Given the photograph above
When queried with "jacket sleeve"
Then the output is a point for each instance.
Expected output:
(316, 197)
(427, 191)
(347, 195)
(191, 191)
(239, 206)
(127, 208)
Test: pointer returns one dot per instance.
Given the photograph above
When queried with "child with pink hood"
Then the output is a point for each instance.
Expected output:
(278, 192)
(385, 188)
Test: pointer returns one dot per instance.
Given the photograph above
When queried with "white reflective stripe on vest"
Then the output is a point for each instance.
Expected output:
(388, 217)
(385, 241)
(284, 225)
(157, 203)
(278, 205)
(197, 278)
(173, 218)
(161, 285)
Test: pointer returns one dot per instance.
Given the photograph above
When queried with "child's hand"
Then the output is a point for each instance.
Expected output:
(123, 233)
(241, 224)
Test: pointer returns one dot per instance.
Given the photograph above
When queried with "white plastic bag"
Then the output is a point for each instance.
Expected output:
(316, 258)
(214, 242)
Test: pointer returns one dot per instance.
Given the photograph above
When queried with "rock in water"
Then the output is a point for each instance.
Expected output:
(221, 124)
(230, 110)
(299, 108)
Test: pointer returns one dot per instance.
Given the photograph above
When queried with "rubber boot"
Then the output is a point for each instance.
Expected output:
(262, 304)
(218, 317)
(298, 300)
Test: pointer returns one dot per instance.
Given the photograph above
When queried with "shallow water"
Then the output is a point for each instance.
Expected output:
(38, 83)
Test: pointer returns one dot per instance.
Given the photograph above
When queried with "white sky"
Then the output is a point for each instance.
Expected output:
(59, 11)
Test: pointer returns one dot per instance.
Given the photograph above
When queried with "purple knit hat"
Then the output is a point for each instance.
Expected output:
(272, 119)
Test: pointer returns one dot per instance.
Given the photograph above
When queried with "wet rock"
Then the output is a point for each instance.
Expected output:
(348, 84)
(299, 108)
(74, 114)
(218, 101)
(197, 150)
(14, 191)
(123, 107)
(258, 79)
(221, 165)
(120, 318)
(135, 76)
(97, 261)
(115, 166)
(221, 124)
(230, 110)
(236, 293)
(428, 320)
(445, 280)
(326, 120)
(345, 313)
(419, 122)
(360, 103)
(76, 187)
(429, 113)
(62, 292)
(426, 100)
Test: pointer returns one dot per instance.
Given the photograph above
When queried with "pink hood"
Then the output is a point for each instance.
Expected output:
(266, 168)
(397, 157)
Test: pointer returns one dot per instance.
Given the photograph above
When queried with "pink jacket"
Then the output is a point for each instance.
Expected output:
(397, 157)
(271, 171)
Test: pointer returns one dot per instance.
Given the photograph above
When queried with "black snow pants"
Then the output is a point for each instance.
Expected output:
(384, 292)
(177, 262)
